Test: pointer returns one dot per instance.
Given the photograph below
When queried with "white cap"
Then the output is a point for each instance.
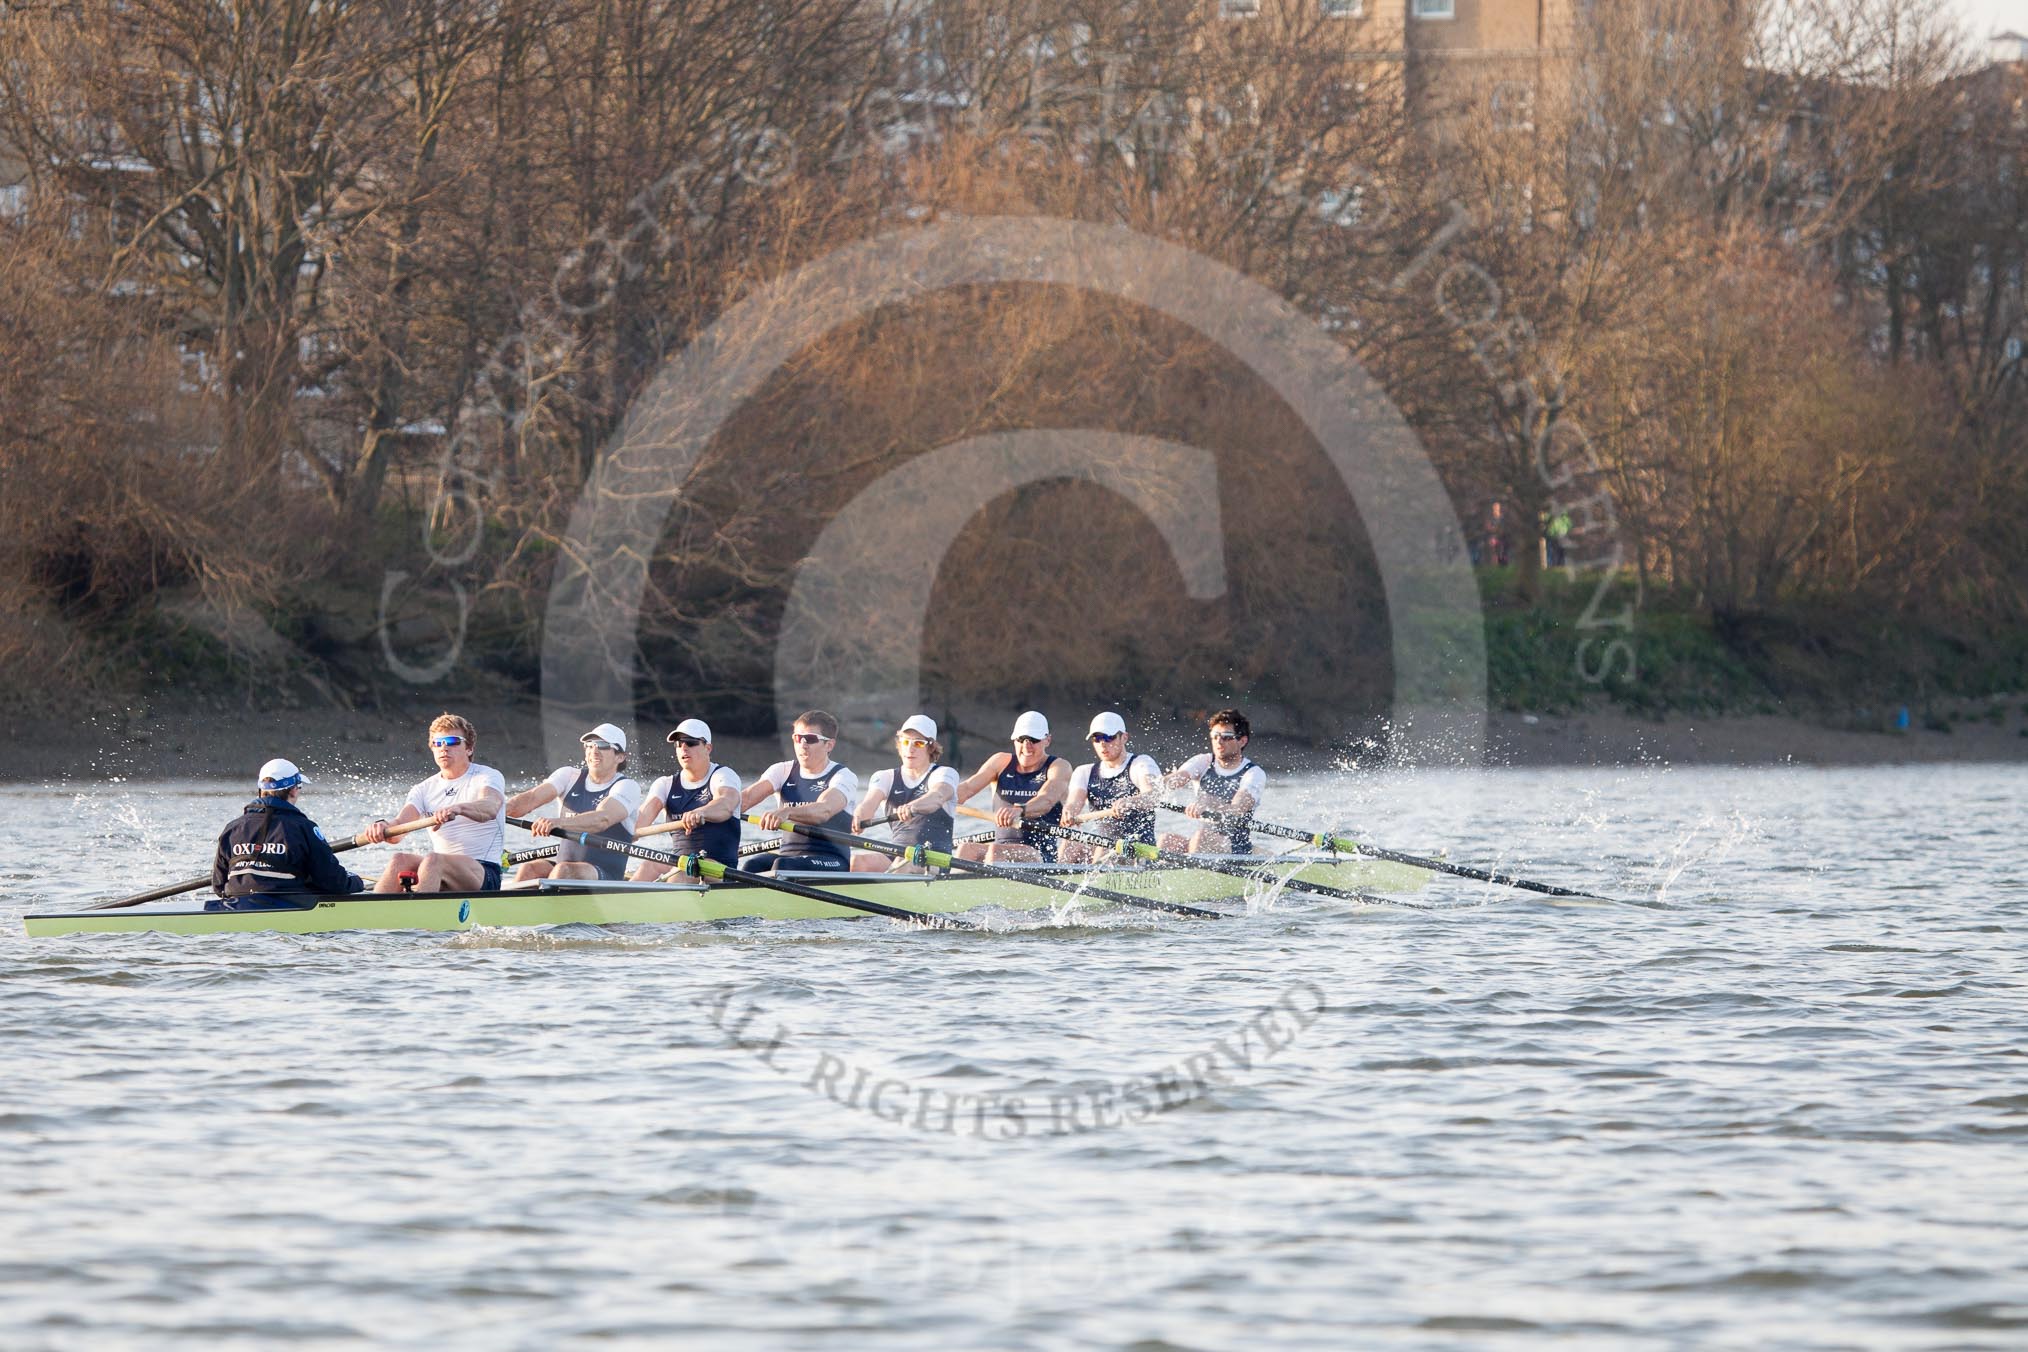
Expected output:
(1031, 724)
(606, 732)
(280, 776)
(692, 727)
(923, 724)
(1109, 723)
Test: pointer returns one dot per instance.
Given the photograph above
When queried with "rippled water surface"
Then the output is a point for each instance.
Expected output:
(1786, 1104)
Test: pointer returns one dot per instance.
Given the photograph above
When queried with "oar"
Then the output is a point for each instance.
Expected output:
(1346, 845)
(923, 855)
(716, 872)
(177, 889)
(1231, 868)
(528, 856)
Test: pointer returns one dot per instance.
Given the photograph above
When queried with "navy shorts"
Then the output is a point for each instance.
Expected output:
(610, 864)
(1039, 841)
(491, 881)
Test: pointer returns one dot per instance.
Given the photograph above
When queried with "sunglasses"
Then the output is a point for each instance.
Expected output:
(1224, 736)
(1028, 741)
(447, 741)
(811, 738)
(686, 741)
(1107, 736)
(601, 746)
(910, 741)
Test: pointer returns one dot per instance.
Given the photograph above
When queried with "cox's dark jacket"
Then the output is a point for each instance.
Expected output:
(272, 847)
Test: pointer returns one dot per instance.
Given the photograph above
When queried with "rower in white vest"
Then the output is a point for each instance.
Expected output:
(467, 805)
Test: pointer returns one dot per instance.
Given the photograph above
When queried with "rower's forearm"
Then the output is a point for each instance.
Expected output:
(810, 814)
(601, 818)
(521, 804)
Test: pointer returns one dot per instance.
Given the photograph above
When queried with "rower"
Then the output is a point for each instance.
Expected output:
(917, 797)
(467, 806)
(814, 790)
(702, 797)
(271, 855)
(1226, 782)
(1115, 795)
(1029, 786)
(598, 796)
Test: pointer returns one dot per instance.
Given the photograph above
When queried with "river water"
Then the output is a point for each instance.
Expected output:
(1784, 1103)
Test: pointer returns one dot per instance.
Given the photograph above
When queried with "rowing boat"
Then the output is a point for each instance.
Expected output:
(551, 902)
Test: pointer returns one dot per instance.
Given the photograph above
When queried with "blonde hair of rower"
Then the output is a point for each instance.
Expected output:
(467, 806)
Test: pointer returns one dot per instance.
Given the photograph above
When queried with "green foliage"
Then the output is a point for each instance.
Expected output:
(1807, 657)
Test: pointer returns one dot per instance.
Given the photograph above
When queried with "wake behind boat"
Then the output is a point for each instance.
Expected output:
(600, 902)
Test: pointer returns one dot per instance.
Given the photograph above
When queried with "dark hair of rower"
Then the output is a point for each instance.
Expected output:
(1231, 718)
(819, 721)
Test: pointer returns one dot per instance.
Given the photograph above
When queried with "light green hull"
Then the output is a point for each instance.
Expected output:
(658, 904)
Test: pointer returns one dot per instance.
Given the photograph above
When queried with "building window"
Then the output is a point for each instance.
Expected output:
(1343, 9)
(1435, 9)
(1238, 9)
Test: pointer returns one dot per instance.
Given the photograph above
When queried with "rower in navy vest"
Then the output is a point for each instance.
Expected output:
(702, 798)
(272, 856)
(916, 797)
(1115, 795)
(814, 790)
(1029, 786)
(1227, 782)
(597, 796)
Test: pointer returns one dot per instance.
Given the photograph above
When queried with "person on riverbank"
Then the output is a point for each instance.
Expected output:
(467, 806)
(701, 798)
(598, 797)
(1029, 786)
(917, 797)
(1229, 788)
(813, 790)
(1115, 795)
(272, 855)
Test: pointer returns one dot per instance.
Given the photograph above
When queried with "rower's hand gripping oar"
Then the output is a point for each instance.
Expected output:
(698, 866)
(1137, 850)
(924, 856)
(191, 885)
(1324, 841)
